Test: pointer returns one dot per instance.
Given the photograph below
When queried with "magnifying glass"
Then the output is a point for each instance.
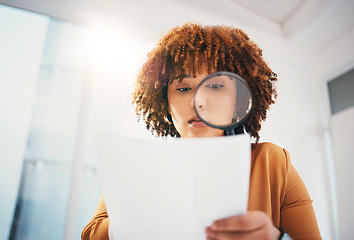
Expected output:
(223, 100)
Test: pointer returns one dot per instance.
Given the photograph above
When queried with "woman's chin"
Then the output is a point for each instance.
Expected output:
(203, 132)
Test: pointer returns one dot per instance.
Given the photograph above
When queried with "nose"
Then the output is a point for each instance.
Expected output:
(200, 103)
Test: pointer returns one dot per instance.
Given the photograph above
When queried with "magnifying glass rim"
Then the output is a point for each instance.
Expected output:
(233, 125)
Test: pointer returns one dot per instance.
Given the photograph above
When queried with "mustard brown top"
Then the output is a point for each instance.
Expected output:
(275, 188)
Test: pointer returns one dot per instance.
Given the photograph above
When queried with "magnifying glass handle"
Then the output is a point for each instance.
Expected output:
(234, 131)
(230, 132)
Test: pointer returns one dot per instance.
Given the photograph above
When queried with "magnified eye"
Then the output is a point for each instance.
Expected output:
(215, 85)
(184, 89)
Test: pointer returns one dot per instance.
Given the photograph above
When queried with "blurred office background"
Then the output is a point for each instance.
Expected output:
(68, 68)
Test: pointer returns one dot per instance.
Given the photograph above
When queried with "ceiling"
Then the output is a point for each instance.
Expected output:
(275, 10)
(314, 24)
(283, 17)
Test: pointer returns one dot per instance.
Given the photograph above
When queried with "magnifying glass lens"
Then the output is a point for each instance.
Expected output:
(223, 100)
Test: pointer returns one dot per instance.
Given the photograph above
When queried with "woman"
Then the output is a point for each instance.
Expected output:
(279, 204)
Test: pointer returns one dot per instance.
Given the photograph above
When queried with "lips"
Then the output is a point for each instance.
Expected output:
(193, 118)
(196, 122)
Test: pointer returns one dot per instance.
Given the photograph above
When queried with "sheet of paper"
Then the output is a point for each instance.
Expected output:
(172, 188)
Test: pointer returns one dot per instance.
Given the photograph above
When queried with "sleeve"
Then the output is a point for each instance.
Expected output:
(97, 228)
(297, 216)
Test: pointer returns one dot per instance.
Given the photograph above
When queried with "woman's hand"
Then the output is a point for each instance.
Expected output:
(252, 225)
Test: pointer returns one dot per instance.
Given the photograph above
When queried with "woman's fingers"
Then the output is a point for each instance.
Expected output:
(258, 234)
(252, 225)
(247, 222)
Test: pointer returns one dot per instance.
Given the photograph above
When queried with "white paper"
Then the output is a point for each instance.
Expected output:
(172, 188)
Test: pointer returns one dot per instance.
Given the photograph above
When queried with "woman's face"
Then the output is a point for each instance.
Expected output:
(181, 106)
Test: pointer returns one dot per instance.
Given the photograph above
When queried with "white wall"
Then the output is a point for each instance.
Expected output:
(342, 136)
(21, 42)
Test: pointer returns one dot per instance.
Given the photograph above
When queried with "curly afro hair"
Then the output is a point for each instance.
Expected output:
(184, 49)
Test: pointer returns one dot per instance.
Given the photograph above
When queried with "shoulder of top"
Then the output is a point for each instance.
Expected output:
(266, 146)
(270, 152)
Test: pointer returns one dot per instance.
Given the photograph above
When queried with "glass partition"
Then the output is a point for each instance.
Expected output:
(39, 208)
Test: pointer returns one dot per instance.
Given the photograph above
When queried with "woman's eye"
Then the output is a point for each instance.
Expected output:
(215, 86)
(185, 89)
